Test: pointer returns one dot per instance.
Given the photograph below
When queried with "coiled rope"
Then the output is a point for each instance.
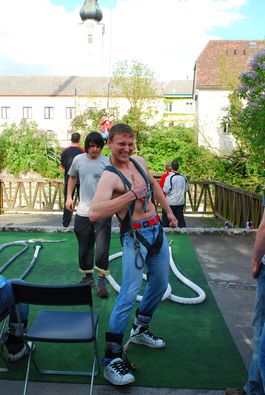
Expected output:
(168, 294)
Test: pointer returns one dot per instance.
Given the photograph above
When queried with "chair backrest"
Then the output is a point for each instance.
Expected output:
(4, 314)
(53, 295)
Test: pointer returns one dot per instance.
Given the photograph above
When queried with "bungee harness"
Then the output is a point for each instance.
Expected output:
(126, 224)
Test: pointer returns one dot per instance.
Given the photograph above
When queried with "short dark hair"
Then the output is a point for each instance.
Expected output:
(120, 128)
(94, 138)
(174, 165)
(75, 137)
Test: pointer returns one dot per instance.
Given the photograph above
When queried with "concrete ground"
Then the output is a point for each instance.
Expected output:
(225, 259)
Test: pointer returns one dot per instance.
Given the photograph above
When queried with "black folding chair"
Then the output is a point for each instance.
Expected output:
(3, 319)
(59, 326)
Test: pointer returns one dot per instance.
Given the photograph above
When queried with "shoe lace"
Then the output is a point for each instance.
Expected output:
(120, 367)
(151, 335)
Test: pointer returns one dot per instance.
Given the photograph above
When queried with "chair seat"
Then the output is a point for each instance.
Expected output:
(48, 324)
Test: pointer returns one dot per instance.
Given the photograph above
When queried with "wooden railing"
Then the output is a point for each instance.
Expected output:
(234, 205)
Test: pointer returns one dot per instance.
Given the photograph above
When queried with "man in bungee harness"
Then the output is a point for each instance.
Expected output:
(125, 189)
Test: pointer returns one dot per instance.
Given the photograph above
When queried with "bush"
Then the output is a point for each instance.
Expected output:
(23, 148)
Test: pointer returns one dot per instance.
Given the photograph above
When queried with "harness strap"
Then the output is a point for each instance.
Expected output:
(152, 248)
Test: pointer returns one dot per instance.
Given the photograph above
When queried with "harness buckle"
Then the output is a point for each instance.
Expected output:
(145, 224)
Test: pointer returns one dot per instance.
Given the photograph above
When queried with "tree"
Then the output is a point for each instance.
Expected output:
(24, 148)
(247, 109)
(135, 82)
(88, 121)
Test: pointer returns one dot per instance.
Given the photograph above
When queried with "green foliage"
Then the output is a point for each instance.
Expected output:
(247, 111)
(23, 148)
(198, 163)
(88, 121)
(134, 81)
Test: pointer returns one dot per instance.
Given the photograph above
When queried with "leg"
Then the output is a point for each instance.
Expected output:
(157, 275)
(67, 215)
(262, 356)
(158, 272)
(85, 234)
(131, 284)
(164, 219)
(103, 233)
(115, 370)
(178, 212)
(14, 343)
(254, 384)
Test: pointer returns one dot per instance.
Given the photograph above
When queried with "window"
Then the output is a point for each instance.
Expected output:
(168, 106)
(226, 126)
(48, 112)
(5, 112)
(70, 112)
(27, 112)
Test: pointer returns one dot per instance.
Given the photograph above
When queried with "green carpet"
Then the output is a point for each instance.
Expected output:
(200, 351)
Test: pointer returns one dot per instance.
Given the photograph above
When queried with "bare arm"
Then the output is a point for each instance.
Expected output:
(69, 204)
(259, 249)
(160, 197)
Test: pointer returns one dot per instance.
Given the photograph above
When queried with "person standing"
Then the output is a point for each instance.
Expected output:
(67, 157)
(13, 342)
(91, 237)
(164, 176)
(256, 373)
(161, 183)
(125, 188)
(175, 187)
(105, 125)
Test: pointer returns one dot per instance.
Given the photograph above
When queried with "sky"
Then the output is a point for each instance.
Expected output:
(48, 37)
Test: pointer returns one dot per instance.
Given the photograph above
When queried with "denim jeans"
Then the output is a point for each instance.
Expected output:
(254, 385)
(93, 236)
(157, 267)
(7, 302)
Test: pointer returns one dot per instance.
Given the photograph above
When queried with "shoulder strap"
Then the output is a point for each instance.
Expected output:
(141, 171)
(175, 174)
(124, 180)
(170, 189)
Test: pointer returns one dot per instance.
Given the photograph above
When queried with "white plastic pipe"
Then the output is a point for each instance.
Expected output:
(167, 295)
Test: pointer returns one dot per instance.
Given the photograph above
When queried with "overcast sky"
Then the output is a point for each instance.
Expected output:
(46, 37)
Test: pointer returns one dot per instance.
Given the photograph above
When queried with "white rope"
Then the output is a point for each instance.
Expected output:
(167, 295)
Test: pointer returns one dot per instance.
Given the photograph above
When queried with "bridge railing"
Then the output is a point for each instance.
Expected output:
(234, 205)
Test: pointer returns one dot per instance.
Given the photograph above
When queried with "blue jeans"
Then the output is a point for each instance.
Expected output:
(7, 302)
(254, 385)
(157, 275)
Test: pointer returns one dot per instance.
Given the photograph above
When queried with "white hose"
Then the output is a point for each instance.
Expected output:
(167, 295)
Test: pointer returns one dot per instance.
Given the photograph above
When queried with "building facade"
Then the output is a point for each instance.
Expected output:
(53, 101)
(216, 74)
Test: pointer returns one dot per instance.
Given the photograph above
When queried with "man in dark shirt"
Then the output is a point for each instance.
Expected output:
(67, 157)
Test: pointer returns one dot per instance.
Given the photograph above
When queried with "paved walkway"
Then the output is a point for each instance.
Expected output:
(225, 259)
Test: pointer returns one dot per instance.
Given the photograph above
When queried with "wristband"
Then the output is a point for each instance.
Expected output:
(134, 194)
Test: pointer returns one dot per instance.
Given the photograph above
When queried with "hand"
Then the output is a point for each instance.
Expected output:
(255, 268)
(69, 204)
(139, 190)
(172, 220)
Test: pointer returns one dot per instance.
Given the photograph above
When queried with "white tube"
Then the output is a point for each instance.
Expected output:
(167, 294)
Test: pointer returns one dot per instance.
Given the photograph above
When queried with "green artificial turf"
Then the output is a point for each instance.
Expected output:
(199, 353)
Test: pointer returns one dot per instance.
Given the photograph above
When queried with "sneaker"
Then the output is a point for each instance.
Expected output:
(235, 391)
(146, 338)
(102, 291)
(117, 373)
(20, 354)
(88, 280)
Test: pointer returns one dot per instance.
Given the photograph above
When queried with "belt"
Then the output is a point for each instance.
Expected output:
(145, 224)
